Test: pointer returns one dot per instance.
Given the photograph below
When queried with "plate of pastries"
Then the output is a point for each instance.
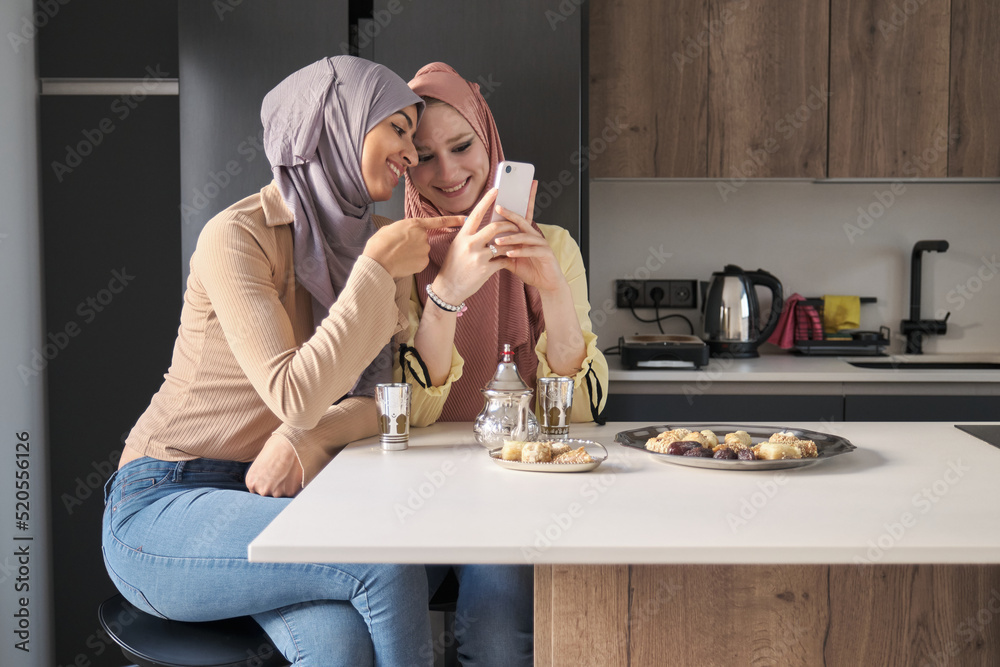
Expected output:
(735, 446)
(563, 455)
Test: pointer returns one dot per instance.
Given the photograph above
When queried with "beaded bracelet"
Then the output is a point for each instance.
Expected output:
(440, 303)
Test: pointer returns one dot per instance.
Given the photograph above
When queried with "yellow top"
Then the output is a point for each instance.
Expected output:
(427, 402)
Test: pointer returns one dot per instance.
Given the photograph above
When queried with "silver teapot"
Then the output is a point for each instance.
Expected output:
(508, 413)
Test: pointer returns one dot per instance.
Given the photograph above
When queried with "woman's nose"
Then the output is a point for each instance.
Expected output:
(409, 153)
(446, 168)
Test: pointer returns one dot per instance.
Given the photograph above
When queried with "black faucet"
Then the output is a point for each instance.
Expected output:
(916, 328)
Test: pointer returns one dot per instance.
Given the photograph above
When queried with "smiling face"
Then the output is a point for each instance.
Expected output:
(453, 164)
(387, 151)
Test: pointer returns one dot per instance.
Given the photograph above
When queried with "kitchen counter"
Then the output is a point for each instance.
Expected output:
(786, 367)
(845, 562)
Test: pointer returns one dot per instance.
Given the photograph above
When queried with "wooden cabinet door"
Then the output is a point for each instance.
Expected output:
(975, 88)
(889, 88)
(768, 74)
(649, 78)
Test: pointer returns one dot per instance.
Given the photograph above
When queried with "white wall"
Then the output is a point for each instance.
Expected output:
(808, 235)
(21, 403)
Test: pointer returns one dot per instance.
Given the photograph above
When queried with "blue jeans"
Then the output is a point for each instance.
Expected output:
(175, 539)
(494, 616)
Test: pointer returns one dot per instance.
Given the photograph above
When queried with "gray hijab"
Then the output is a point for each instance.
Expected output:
(315, 122)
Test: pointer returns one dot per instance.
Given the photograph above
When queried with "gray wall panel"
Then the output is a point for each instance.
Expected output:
(527, 57)
(227, 64)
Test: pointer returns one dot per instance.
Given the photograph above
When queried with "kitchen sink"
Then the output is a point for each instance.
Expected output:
(926, 362)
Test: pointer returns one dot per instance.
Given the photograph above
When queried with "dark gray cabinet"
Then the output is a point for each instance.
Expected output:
(107, 38)
(112, 304)
(527, 57)
(922, 408)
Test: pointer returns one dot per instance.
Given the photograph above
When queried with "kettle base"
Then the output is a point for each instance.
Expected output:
(733, 349)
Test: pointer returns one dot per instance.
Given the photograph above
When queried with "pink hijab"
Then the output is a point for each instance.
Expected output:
(481, 331)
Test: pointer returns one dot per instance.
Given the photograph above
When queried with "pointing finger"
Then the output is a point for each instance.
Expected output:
(439, 223)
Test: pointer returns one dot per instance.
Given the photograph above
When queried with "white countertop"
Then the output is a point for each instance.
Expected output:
(782, 366)
(910, 493)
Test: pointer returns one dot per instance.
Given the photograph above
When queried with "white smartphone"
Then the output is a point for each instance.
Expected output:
(513, 182)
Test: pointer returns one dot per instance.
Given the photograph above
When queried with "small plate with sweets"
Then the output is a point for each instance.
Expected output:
(735, 446)
(562, 455)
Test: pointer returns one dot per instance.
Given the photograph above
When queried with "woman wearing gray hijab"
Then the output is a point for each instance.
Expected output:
(294, 298)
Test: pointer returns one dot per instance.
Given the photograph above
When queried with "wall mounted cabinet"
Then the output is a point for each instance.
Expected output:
(975, 89)
(819, 88)
(889, 89)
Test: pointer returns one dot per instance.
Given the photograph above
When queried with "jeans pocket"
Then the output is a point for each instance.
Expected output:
(138, 483)
(130, 592)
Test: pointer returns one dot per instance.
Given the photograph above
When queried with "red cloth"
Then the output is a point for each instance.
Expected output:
(797, 322)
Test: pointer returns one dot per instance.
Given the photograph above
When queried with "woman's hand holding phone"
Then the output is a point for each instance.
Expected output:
(529, 255)
(470, 262)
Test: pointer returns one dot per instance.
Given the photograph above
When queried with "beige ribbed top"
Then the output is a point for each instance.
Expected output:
(248, 364)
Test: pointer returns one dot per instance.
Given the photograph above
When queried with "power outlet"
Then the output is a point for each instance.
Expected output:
(629, 293)
(683, 294)
(656, 293)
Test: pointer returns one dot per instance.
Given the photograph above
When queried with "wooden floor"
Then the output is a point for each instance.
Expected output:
(724, 615)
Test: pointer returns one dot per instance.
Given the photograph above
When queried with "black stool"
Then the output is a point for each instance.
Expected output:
(151, 641)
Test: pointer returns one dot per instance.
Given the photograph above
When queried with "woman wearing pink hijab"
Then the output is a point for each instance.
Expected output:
(468, 302)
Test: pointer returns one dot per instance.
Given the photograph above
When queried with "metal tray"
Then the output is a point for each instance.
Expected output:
(596, 450)
(827, 446)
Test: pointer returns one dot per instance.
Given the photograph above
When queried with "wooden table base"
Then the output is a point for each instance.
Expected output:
(701, 615)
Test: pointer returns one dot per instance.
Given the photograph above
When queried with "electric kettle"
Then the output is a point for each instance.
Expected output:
(731, 317)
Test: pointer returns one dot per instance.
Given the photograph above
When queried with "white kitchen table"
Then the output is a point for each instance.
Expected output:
(847, 559)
